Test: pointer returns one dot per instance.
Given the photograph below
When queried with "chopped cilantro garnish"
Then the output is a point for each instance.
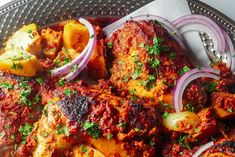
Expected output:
(45, 112)
(61, 82)
(7, 127)
(137, 129)
(125, 79)
(154, 63)
(62, 130)
(109, 136)
(30, 31)
(123, 124)
(92, 36)
(12, 136)
(181, 141)
(151, 143)
(132, 91)
(196, 130)
(183, 70)
(68, 92)
(74, 68)
(190, 107)
(156, 22)
(6, 85)
(230, 110)
(210, 87)
(83, 149)
(17, 66)
(92, 129)
(45, 134)
(37, 99)
(40, 80)
(66, 61)
(25, 130)
(165, 115)
(110, 45)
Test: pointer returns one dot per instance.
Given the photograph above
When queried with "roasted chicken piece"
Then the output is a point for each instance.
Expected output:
(19, 108)
(224, 104)
(147, 61)
(79, 114)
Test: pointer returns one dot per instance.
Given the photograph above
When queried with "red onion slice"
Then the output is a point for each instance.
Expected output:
(164, 22)
(203, 148)
(87, 57)
(188, 77)
(207, 22)
(65, 68)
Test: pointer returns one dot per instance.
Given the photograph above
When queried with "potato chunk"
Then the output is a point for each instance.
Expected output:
(27, 39)
(75, 36)
(20, 63)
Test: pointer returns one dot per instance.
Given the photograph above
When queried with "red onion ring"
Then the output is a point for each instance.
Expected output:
(203, 148)
(65, 68)
(188, 77)
(206, 22)
(86, 59)
(164, 22)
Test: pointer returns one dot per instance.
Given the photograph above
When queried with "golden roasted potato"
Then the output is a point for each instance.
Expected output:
(75, 36)
(20, 63)
(27, 39)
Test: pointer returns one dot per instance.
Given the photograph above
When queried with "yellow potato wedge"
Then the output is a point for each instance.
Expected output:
(27, 39)
(23, 64)
(75, 36)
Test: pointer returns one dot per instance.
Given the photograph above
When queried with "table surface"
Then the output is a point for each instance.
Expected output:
(225, 6)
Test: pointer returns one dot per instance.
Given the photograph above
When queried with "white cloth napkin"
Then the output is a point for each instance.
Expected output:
(171, 10)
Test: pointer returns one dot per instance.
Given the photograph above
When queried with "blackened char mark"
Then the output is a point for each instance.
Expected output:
(75, 108)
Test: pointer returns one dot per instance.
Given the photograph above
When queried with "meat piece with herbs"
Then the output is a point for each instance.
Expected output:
(19, 108)
(147, 61)
(77, 114)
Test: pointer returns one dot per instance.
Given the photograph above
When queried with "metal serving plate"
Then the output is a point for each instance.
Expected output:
(19, 12)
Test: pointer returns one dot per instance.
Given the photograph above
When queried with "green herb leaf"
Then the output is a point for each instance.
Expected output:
(151, 143)
(40, 80)
(165, 115)
(210, 87)
(92, 129)
(110, 45)
(83, 149)
(61, 82)
(6, 85)
(183, 70)
(137, 129)
(109, 136)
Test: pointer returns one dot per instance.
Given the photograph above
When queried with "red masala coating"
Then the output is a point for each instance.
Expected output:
(134, 66)
(14, 114)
